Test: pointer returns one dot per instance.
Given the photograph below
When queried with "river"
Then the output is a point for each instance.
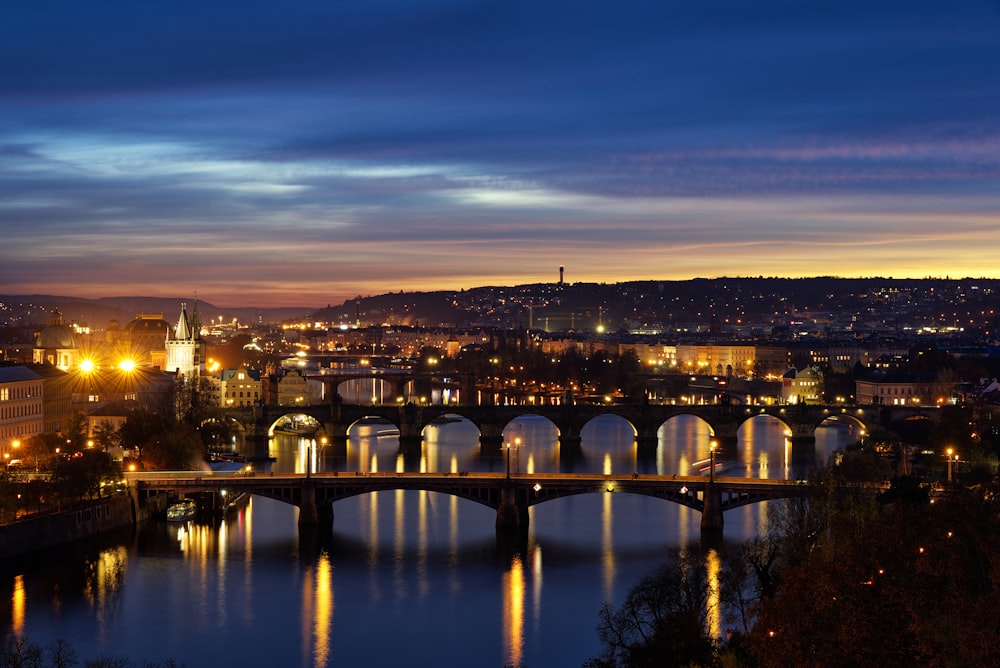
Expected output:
(405, 577)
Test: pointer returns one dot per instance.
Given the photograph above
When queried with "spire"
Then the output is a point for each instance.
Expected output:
(195, 321)
(183, 330)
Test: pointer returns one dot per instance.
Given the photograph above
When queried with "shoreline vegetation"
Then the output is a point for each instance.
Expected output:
(19, 652)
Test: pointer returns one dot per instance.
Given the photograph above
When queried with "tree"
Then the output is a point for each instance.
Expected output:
(107, 435)
(9, 502)
(76, 433)
(140, 428)
(38, 452)
(80, 477)
(911, 583)
(662, 621)
(177, 449)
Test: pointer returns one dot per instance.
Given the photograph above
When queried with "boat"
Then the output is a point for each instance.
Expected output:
(183, 510)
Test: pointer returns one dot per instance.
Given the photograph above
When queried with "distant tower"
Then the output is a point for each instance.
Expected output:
(185, 347)
(561, 269)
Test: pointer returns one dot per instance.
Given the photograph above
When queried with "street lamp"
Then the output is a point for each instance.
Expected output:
(950, 452)
(508, 460)
(517, 455)
(713, 444)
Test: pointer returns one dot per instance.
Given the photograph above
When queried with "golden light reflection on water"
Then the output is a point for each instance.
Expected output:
(17, 606)
(607, 546)
(536, 580)
(453, 579)
(713, 602)
(105, 582)
(318, 609)
(423, 502)
(399, 544)
(512, 586)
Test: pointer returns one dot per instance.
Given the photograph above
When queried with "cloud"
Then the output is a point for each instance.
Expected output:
(318, 150)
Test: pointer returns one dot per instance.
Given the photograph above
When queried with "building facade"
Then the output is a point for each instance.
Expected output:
(239, 387)
(22, 406)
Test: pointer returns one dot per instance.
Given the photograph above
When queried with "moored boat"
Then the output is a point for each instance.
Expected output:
(183, 510)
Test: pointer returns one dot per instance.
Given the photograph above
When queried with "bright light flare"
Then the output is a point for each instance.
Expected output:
(127, 366)
(87, 366)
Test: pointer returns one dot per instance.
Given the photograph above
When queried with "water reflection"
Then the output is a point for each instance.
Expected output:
(318, 609)
(105, 581)
(713, 601)
(17, 606)
(512, 585)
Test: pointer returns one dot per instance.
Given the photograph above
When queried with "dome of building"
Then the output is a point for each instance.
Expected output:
(56, 336)
(146, 325)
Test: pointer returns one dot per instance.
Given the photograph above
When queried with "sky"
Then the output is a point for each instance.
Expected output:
(300, 153)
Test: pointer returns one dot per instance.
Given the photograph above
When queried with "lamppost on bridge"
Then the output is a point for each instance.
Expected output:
(517, 445)
(950, 458)
(712, 445)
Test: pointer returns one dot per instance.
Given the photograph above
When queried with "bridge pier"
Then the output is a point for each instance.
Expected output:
(727, 444)
(645, 445)
(803, 444)
(490, 444)
(310, 513)
(569, 446)
(511, 515)
(490, 437)
(711, 515)
(410, 444)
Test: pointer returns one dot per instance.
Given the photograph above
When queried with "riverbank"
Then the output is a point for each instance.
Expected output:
(86, 519)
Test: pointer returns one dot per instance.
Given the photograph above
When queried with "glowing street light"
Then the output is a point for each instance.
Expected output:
(950, 453)
(711, 459)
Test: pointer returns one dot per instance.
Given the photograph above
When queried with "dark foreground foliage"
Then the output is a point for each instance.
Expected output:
(849, 577)
(19, 652)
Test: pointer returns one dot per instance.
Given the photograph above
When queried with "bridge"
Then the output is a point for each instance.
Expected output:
(509, 495)
(336, 418)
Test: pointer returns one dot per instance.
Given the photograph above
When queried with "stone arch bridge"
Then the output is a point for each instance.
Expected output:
(336, 419)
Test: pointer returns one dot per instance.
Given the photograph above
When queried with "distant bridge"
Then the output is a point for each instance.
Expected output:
(335, 419)
(509, 495)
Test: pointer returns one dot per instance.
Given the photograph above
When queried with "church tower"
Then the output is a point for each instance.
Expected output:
(184, 347)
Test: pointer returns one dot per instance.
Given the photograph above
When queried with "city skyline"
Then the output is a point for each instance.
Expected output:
(308, 153)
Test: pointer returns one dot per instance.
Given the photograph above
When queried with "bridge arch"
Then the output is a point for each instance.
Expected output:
(294, 422)
(223, 433)
(369, 390)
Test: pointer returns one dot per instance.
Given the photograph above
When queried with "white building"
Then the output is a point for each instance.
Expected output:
(185, 349)
(800, 386)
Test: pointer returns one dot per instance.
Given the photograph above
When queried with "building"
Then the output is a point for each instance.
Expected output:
(901, 388)
(239, 387)
(802, 386)
(57, 392)
(717, 359)
(57, 345)
(22, 406)
(140, 340)
(184, 347)
(288, 387)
